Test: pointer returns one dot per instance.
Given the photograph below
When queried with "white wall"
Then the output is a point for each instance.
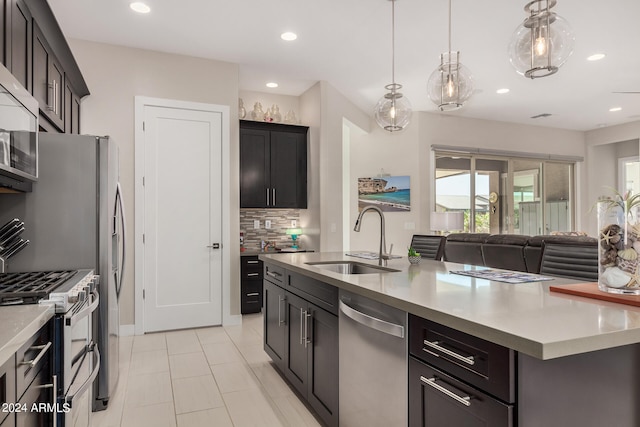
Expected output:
(336, 111)
(115, 75)
(604, 146)
(409, 153)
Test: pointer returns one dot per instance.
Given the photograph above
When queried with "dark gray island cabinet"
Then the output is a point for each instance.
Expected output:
(301, 336)
(455, 378)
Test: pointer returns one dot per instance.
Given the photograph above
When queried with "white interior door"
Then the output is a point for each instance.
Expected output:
(182, 218)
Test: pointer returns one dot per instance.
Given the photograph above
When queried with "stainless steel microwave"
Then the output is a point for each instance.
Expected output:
(18, 134)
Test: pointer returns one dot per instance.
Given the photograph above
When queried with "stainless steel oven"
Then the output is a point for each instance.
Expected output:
(78, 363)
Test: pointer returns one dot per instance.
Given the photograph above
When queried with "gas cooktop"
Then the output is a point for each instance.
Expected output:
(30, 287)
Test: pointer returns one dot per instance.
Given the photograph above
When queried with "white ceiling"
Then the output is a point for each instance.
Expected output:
(348, 44)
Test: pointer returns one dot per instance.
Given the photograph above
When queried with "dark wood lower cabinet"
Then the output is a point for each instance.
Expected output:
(302, 340)
(274, 323)
(437, 399)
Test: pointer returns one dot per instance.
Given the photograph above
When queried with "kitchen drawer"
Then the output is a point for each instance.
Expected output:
(32, 357)
(322, 294)
(250, 267)
(486, 365)
(40, 392)
(438, 399)
(251, 296)
(274, 274)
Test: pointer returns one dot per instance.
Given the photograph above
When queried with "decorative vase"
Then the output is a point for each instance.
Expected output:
(415, 259)
(619, 247)
(257, 113)
(290, 118)
(267, 116)
(242, 113)
(275, 113)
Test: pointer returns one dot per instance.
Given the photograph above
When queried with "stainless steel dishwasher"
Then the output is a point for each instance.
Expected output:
(373, 363)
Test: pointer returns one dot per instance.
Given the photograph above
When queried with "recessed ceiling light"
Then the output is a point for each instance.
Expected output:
(272, 84)
(614, 109)
(596, 57)
(288, 36)
(140, 7)
(502, 91)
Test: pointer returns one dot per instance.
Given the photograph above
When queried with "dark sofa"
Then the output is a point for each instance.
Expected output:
(507, 251)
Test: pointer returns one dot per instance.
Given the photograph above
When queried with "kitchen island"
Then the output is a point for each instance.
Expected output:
(571, 360)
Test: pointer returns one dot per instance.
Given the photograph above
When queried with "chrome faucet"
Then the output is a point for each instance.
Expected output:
(383, 255)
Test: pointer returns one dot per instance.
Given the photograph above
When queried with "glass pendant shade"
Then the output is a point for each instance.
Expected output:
(542, 43)
(451, 84)
(393, 110)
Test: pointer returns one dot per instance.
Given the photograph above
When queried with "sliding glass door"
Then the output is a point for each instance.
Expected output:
(505, 195)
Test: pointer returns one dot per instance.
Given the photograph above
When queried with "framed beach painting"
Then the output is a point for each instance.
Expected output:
(389, 193)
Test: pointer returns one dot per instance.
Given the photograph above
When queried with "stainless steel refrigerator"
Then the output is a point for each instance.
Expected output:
(74, 219)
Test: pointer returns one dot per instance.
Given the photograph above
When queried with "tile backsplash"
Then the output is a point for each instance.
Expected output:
(280, 221)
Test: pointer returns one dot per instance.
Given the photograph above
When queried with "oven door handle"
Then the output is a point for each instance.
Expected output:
(95, 300)
(89, 381)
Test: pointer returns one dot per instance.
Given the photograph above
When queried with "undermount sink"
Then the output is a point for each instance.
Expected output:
(351, 267)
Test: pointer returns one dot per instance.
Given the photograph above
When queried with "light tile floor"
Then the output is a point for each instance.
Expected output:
(217, 376)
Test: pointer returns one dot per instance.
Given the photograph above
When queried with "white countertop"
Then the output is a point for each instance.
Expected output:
(19, 323)
(525, 317)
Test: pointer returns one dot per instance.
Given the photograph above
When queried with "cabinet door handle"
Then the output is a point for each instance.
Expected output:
(273, 191)
(50, 90)
(43, 350)
(267, 197)
(252, 274)
(281, 299)
(55, 97)
(252, 262)
(302, 317)
(307, 315)
(253, 294)
(465, 400)
(434, 344)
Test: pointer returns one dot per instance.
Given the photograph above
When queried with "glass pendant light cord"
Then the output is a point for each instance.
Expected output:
(393, 42)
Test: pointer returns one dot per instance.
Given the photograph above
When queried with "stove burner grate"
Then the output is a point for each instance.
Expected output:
(30, 287)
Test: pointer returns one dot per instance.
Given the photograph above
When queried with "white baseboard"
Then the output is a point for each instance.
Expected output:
(127, 330)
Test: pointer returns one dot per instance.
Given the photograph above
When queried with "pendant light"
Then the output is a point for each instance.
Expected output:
(542, 43)
(451, 84)
(393, 110)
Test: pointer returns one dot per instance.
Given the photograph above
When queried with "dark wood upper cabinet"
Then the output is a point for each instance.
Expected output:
(18, 43)
(48, 81)
(34, 50)
(273, 165)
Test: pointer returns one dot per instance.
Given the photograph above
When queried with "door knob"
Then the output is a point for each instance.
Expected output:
(214, 246)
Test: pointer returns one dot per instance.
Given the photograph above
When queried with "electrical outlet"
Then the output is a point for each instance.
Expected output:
(256, 224)
(294, 223)
(267, 223)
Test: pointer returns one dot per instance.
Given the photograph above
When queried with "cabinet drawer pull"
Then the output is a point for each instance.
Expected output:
(465, 400)
(253, 294)
(466, 359)
(252, 274)
(252, 262)
(274, 275)
(43, 350)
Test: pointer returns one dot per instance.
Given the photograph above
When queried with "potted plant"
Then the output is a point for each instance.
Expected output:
(414, 257)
